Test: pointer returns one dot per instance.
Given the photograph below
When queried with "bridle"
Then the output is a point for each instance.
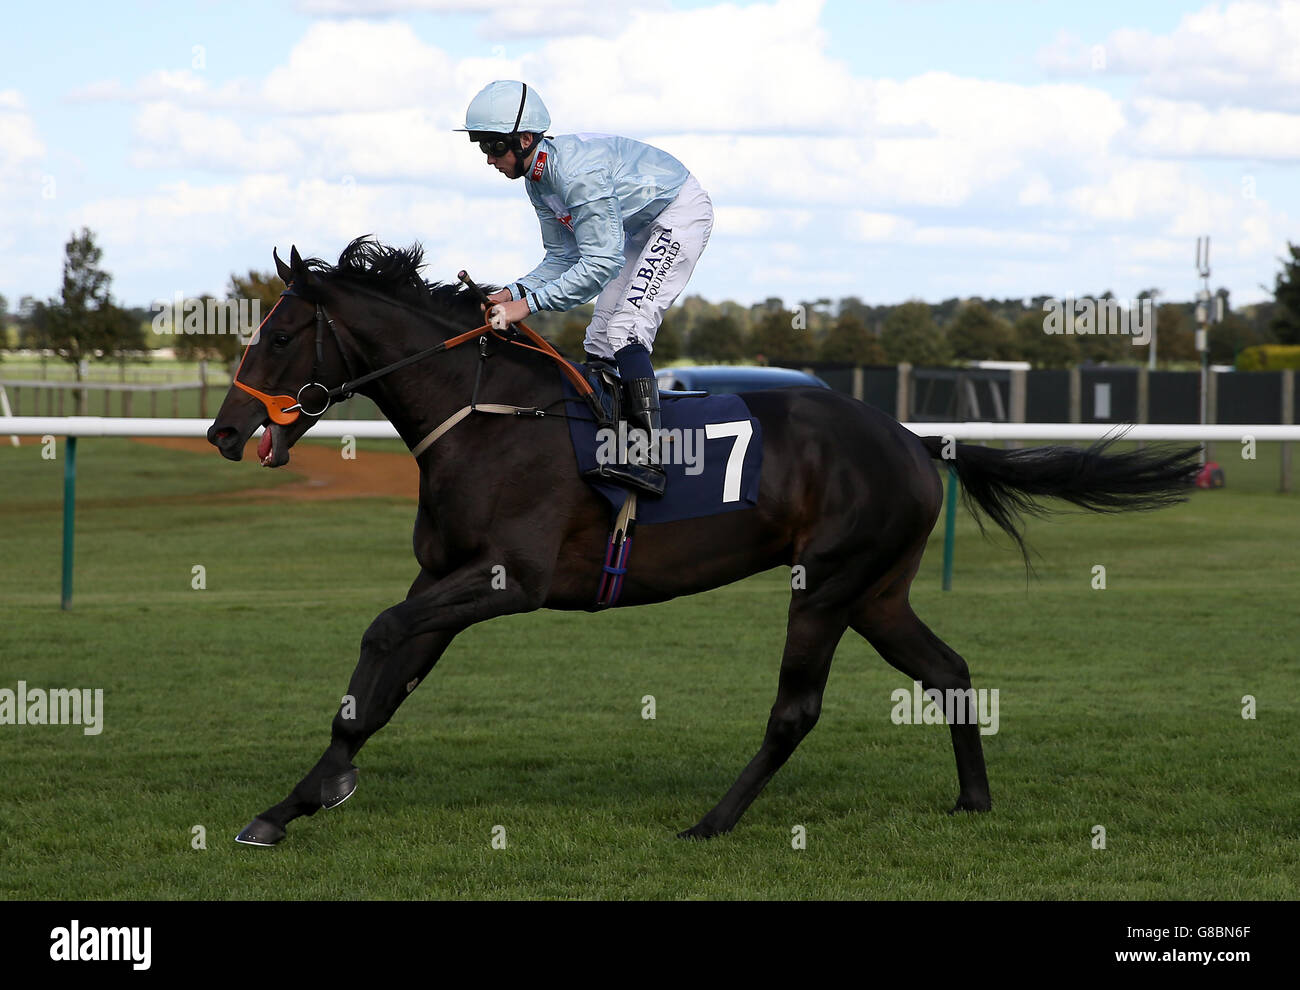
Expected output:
(284, 409)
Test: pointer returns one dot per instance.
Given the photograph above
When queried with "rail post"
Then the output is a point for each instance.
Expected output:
(69, 515)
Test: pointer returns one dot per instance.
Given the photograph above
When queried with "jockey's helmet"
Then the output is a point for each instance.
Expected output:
(505, 107)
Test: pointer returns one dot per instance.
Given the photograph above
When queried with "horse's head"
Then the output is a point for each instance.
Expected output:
(291, 349)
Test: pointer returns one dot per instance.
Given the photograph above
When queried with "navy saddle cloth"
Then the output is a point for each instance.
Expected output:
(713, 454)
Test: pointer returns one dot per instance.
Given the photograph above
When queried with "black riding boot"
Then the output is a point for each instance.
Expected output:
(643, 414)
(638, 467)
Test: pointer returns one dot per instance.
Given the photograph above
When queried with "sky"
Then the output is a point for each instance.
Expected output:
(889, 149)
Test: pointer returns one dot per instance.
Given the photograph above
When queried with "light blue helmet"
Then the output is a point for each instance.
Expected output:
(507, 107)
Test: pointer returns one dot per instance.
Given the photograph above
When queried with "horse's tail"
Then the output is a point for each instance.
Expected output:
(1006, 483)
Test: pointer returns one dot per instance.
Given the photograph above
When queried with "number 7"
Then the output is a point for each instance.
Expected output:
(742, 430)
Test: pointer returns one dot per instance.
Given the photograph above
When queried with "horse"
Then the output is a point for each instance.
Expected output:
(846, 493)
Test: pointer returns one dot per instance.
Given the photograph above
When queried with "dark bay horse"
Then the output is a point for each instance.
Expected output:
(846, 492)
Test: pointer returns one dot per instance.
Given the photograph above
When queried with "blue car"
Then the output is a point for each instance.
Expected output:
(724, 379)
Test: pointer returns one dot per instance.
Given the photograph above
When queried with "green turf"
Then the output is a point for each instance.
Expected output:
(1119, 708)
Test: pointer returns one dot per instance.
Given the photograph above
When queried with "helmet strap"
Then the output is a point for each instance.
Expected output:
(514, 131)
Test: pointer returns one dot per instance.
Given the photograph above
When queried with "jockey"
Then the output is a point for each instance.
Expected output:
(622, 222)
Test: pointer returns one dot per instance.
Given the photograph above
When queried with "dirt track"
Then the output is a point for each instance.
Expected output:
(321, 472)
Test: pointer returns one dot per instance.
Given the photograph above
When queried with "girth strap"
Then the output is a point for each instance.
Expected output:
(456, 417)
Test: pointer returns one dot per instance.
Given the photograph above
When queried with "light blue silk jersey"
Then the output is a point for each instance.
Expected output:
(592, 192)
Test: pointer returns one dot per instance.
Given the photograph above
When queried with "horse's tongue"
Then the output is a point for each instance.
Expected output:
(264, 445)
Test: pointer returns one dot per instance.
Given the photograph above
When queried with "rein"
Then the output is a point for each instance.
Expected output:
(284, 409)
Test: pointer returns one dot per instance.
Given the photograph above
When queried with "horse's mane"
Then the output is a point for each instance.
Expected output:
(391, 271)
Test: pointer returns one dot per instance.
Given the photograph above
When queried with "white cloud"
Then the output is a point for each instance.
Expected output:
(983, 237)
(1035, 190)
(892, 229)
(26, 231)
(352, 132)
(749, 221)
(883, 227)
(168, 136)
(1246, 53)
(179, 86)
(1164, 193)
(20, 145)
(153, 238)
(1171, 249)
(342, 66)
(1181, 129)
(537, 18)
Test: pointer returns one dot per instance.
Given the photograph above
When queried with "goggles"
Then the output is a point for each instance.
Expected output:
(495, 148)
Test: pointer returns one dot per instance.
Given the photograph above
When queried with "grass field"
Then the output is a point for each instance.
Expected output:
(1119, 708)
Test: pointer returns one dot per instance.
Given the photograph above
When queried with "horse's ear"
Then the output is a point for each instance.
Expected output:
(283, 270)
(297, 267)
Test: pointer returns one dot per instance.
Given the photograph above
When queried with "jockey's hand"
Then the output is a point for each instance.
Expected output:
(501, 295)
(503, 314)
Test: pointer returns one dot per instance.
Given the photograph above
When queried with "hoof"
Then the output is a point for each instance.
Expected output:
(335, 790)
(260, 832)
(971, 804)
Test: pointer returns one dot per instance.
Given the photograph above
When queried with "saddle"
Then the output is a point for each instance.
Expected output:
(603, 377)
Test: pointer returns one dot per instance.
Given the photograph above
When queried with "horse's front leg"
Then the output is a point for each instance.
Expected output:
(397, 652)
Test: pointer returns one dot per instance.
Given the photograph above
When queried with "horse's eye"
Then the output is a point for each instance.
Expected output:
(280, 340)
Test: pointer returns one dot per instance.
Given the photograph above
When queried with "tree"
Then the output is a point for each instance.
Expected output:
(84, 322)
(1233, 335)
(717, 339)
(1030, 342)
(572, 339)
(776, 340)
(1111, 347)
(910, 335)
(249, 300)
(853, 306)
(668, 339)
(815, 317)
(850, 341)
(215, 339)
(551, 324)
(1175, 334)
(978, 335)
(4, 324)
(265, 287)
(1286, 295)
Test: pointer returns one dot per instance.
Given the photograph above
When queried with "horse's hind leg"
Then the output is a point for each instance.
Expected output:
(889, 624)
(811, 638)
(384, 677)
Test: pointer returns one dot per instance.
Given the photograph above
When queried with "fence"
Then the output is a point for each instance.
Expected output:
(1088, 394)
(57, 390)
(185, 398)
(73, 427)
(1085, 394)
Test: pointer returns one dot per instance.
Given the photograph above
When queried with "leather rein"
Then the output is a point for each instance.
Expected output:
(284, 409)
